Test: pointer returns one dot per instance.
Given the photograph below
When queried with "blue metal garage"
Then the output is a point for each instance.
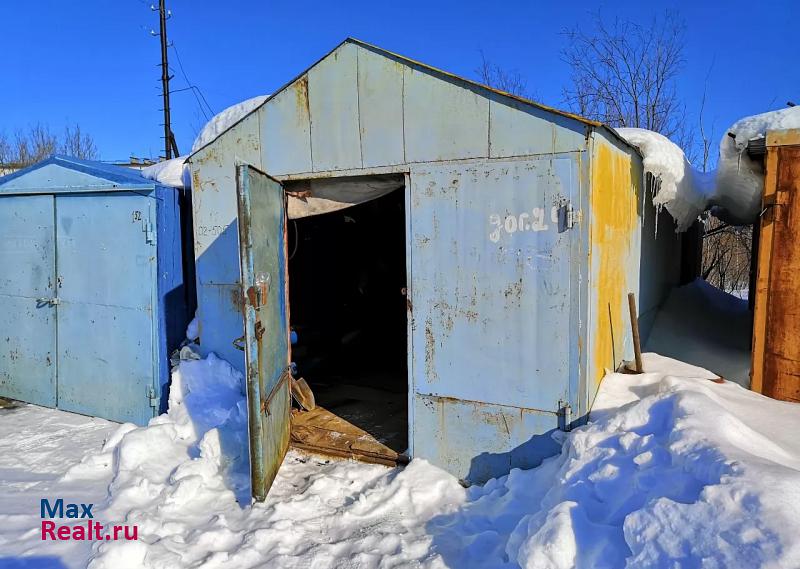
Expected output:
(92, 295)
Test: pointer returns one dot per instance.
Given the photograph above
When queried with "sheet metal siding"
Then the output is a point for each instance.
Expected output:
(216, 236)
(174, 301)
(27, 325)
(106, 330)
(615, 250)
(380, 104)
(285, 123)
(478, 441)
(442, 120)
(491, 290)
(335, 136)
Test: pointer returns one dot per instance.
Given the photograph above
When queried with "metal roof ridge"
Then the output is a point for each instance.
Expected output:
(431, 69)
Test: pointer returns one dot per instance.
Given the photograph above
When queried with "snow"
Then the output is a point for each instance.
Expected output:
(193, 329)
(224, 120)
(683, 190)
(37, 446)
(705, 326)
(733, 191)
(673, 471)
(170, 173)
(175, 172)
(740, 179)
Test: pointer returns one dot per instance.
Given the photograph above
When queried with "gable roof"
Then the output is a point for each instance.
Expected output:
(59, 172)
(432, 71)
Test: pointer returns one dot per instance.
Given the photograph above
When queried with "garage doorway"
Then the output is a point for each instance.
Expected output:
(347, 283)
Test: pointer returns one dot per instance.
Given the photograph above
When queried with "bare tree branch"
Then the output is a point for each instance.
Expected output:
(496, 77)
(623, 74)
(38, 142)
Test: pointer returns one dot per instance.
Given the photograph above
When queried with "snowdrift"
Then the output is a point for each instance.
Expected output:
(732, 192)
(674, 470)
(705, 326)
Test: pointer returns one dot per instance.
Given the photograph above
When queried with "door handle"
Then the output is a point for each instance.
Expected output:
(50, 301)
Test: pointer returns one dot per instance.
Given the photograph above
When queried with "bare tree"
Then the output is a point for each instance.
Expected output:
(78, 144)
(727, 255)
(496, 77)
(39, 141)
(623, 74)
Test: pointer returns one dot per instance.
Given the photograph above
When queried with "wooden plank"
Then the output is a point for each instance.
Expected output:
(323, 432)
(782, 350)
(783, 137)
(762, 278)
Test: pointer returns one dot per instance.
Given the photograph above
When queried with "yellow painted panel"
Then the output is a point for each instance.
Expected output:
(614, 255)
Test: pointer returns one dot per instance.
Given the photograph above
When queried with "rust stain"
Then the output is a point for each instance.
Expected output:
(237, 299)
(301, 95)
(430, 352)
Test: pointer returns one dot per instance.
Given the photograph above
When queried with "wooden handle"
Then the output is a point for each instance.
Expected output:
(637, 346)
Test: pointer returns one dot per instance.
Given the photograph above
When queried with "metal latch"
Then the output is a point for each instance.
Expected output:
(149, 234)
(153, 397)
(567, 217)
(564, 416)
(48, 301)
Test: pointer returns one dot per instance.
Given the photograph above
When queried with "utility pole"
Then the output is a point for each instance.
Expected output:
(169, 139)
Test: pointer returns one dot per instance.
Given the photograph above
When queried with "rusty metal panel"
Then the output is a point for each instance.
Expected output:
(286, 130)
(477, 441)
(517, 129)
(380, 100)
(333, 100)
(262, 249)
(615, 232)
(492, 282)
(444, 119)
(213, 171)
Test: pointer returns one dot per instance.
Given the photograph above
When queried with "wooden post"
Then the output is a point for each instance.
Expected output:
(637, 346)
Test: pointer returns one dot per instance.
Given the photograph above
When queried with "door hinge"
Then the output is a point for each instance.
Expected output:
(153, 397)
(568, 217)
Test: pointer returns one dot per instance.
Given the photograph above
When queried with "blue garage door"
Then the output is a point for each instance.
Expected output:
(27, 287)
(106, 266)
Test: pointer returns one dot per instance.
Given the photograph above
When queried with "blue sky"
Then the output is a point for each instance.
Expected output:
(94, 62)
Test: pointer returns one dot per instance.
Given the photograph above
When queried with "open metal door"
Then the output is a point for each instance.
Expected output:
(262, 248)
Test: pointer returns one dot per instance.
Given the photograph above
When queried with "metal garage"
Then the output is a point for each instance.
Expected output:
(502, 236)
(92, 293)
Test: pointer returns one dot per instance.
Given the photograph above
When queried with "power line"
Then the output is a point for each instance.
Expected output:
(198, 94)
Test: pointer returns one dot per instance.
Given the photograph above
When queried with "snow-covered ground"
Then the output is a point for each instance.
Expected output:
(674, 470)
(705, 326)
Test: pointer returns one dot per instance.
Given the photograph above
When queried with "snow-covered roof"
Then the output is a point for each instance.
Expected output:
(733, 191)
